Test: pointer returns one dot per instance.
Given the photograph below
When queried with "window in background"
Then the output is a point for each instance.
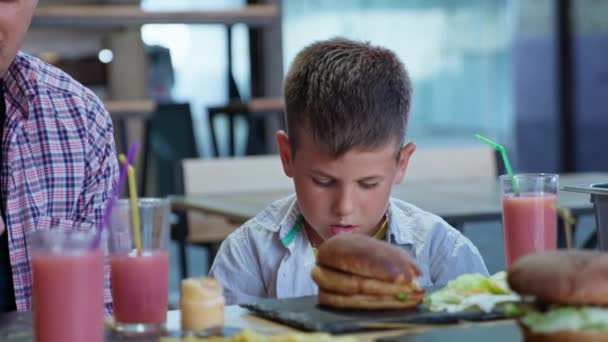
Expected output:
(537, 77)
(199, 57)
(458, 54)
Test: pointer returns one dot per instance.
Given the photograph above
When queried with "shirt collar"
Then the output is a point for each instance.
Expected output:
(288, 226)
(400, 225)
(18, 81)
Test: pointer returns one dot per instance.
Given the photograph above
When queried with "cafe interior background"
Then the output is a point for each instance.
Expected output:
(531, 75)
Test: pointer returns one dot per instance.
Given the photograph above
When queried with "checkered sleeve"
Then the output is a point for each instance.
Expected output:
(101, 174)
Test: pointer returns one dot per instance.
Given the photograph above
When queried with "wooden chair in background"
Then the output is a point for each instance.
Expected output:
(224, 175)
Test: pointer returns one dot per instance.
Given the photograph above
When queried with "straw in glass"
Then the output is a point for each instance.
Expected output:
(505, 159)
(135, 218)
(122, 177)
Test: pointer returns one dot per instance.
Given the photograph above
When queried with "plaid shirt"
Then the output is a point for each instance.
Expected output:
(59, 163)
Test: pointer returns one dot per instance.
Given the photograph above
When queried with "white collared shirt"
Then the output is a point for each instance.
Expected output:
(261, 259)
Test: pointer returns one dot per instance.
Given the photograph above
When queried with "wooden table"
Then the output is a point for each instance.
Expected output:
(457, 201)
(17, 327)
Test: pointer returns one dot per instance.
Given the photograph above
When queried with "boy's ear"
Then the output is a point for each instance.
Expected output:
(285, 153)
(404, 159)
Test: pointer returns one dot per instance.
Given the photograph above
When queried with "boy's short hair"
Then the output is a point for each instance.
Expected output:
(347, 95)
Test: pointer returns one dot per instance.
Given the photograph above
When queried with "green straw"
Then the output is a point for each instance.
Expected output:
(505, 159)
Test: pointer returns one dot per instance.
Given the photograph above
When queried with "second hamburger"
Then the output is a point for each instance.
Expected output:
(570, 289)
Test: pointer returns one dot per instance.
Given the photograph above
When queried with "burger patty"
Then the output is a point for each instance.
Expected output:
(344, 283)
(370, 302)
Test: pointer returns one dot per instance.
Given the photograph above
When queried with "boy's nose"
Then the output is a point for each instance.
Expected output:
(343, 203)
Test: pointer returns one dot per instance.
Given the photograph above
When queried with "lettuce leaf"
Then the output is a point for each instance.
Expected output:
(472, 292)
(589, 319)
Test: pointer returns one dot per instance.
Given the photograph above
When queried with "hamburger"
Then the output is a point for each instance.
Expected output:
(569, 289)
(359, 272)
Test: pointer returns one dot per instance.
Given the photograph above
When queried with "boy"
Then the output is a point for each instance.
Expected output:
(347, 106)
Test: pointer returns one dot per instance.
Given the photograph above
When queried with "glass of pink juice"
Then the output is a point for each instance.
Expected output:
(140, 279)
(68, 284)
(529, 214)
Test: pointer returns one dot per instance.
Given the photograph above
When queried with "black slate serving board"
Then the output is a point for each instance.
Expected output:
(304, 313)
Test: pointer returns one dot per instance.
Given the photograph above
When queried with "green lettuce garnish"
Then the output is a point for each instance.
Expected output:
(471, 292)
(588, 319)
(402, 296)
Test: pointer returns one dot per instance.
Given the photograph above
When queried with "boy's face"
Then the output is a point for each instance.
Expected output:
(347, 194)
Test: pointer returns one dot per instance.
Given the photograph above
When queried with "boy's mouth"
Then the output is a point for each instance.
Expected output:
(336, 229)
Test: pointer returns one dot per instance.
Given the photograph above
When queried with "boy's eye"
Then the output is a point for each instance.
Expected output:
(323, 182)
(368, 185)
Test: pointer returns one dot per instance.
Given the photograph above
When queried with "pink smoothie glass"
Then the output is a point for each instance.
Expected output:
(140, 280)
(529, 213)
(68, 284)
